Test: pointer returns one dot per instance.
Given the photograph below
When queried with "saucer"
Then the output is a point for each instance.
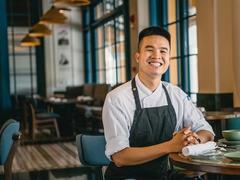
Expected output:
(224, 141)
(233, 155)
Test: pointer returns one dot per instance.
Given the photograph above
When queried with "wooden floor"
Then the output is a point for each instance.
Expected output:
(40, 157)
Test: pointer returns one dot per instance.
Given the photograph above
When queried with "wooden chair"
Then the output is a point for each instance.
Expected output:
(9, 140)
(43, 120)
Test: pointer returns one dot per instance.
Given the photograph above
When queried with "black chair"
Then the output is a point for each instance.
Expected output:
(74, 91)
(9, 140)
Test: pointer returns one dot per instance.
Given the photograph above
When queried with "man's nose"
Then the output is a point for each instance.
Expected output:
(156, 55)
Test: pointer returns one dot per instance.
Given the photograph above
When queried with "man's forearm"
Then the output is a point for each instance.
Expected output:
(139, 155)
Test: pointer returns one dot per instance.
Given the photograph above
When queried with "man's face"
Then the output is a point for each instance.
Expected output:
(153, 56)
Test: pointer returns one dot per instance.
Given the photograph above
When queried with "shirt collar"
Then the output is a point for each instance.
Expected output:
(141, 87)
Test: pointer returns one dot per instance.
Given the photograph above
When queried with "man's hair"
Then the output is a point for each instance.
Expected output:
(154, 30)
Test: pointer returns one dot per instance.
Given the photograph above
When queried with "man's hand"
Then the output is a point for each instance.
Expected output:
(180, 140)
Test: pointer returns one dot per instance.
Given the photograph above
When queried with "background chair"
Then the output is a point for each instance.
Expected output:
(43, 120)
(9, 140)
(91, 152)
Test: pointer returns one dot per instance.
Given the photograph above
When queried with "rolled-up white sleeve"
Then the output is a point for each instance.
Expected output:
(116, 128)
(193, 117)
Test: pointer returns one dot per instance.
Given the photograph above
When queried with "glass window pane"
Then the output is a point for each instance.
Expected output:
(193, 68)
(120, 36)
(23, 83)
(121, 54)
(121, 75)
(173, 71)
(173, 31)
(99, 37)
(100, 59)
(110, 57)
(101, 76)
(108, 6)
(171, 11)
(192, 30)
(118, 3)
(109, 33)
(98, 11)
(192, 7)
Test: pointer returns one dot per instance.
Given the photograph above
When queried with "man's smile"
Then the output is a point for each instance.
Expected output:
(155, 63)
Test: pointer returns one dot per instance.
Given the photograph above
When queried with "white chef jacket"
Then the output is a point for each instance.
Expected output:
(119, 108)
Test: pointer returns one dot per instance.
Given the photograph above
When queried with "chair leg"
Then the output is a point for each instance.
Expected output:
(56, 127)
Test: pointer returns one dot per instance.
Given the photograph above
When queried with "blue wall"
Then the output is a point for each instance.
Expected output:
(5, 102)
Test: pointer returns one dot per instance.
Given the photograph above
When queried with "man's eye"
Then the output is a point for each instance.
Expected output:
(163, 51)
(149, 50)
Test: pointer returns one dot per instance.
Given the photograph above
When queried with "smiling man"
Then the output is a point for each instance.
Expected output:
(145, 119)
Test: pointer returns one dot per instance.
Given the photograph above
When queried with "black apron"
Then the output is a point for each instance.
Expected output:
(150, 126)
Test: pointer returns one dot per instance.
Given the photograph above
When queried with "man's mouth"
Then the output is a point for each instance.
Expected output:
(155, 64)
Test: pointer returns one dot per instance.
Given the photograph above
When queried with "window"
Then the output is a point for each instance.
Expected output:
(179, 17)
(106, 59)
(26, 65)
(22, 63)
(22, 60)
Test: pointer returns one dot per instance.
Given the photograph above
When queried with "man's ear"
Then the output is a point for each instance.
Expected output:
(137, 57)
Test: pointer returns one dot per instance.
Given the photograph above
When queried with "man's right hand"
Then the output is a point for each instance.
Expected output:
(180, 139)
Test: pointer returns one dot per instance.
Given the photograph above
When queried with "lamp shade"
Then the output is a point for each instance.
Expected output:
(39, 30)
(72, 2)
(29, 41)
(54, 16)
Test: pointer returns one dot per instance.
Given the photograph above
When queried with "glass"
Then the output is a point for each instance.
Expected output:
(173, 31)
(171, 11)
(192, 31)
(173, 71)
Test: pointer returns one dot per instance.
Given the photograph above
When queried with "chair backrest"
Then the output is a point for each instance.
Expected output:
(91, 150)
(88, 89)
(8, 130)
(100, 92)
(9, 140)
(74, 91)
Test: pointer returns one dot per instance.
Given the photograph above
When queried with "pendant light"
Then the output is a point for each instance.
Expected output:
(39, 30)
(29, 41)
(54, 16)
(71, 2)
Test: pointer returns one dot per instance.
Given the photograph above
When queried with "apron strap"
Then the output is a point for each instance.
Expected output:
(173, 113)
(167, 95)
(135, 94)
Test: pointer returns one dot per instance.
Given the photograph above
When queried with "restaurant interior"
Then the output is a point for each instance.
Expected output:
(60, 58)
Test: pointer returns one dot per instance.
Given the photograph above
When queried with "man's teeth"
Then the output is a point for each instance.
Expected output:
(156, 64)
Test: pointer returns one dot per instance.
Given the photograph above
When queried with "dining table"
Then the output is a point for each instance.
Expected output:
(216, 166)
(217, 119)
